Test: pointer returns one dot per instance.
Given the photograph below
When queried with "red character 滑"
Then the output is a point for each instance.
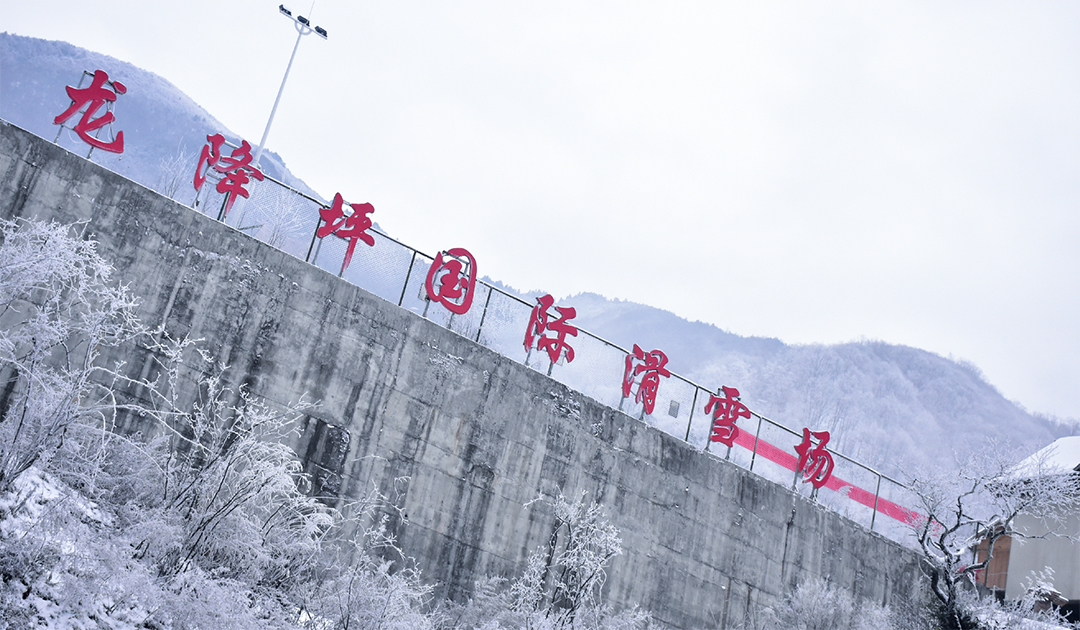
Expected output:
(451, 282)
(815, 463)
(351, 227)
(93, 98)
(725, 412)
(539, 326)
(236, 169)
(652, 365)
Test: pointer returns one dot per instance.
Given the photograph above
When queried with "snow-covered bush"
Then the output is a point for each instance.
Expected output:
(818, 605)
(561, 583)
(206, 524)
(58, 310)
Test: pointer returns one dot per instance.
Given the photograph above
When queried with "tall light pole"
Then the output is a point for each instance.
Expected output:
(303, 27)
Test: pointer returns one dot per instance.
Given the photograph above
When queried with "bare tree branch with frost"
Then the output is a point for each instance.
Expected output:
(980, 503)
(58, 311)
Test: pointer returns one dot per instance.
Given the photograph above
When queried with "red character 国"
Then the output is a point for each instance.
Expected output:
(101, 92)
(725, 412)
(651, 365)
(236, 169)
(815, 463)
(351, 227)
(536, 334)
(452, 282)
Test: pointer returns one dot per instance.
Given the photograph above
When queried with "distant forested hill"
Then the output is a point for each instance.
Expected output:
(889, 406)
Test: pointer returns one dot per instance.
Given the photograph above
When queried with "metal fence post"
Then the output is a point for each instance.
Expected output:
(757, 436)
(690, 420)
(408, 274)
(877, 494)
(483, 316)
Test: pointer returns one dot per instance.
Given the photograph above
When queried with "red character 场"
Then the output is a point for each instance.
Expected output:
(651, 366)
(539, 325)
(236, 169)
(725, 412)
(351, 227)
(100, 92)
(815, 463)
(452, 282)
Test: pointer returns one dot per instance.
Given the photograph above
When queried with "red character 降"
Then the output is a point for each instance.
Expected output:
(236, 169)
(652, 364)
(350, 227)
(93, 98)
(815, 463)
(725, 412)
(451, 282)
(539, 325)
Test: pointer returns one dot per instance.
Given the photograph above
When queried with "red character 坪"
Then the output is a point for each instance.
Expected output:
(351, 227)
(93, 98)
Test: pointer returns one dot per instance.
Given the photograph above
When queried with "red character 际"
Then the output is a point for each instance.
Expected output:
(93, 97)
(539, 326)
(652, 365)
(725, 412)
(815, 463)
(451, 282)
(236, 169)
(351, 227)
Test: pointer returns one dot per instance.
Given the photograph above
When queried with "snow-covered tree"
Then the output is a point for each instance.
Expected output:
(560, 586)
(58, 310)
(980, 503)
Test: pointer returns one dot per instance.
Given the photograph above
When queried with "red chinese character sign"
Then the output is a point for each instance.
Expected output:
(451, 280)
(536, 335)
(235, 169)
(815, 463)
(725, 412)
(100, 92)
(651, 367)
(351, 227)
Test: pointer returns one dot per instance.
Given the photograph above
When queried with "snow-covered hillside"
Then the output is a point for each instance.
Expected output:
(890, 406)
(160, 123)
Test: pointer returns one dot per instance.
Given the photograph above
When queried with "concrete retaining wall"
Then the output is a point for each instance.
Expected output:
(476, 435)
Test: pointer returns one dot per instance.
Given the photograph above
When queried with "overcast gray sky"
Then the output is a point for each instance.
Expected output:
(812, 171)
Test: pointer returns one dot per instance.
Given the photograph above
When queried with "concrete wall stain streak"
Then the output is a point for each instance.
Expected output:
(476, 434)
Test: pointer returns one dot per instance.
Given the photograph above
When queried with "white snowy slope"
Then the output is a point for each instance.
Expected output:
(893, 407)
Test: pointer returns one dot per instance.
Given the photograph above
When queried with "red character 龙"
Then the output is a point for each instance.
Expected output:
(536, 334)
(651, 365)
(815, 463)
(452, 282)
(236, 169)
(93, 97)
(725, 412)
(351, 227)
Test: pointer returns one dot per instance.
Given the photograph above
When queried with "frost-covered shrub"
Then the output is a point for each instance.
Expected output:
(817, 605)
(561, 583)
(58, 310)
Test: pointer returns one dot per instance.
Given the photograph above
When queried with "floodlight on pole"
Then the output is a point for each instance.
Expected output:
(303, 27)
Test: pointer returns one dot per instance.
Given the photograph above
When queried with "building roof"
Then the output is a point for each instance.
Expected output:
(1063, 455)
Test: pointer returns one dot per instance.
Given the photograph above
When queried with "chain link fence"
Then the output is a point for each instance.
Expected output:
(288, 220)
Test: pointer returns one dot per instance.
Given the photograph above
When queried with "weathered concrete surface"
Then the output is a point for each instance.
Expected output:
(476, 434)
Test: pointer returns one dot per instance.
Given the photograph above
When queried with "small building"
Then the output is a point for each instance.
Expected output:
(1014, 561)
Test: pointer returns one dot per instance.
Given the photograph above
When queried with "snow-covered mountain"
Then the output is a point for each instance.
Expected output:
(889, 406)
(893, 407)
(164, 129)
